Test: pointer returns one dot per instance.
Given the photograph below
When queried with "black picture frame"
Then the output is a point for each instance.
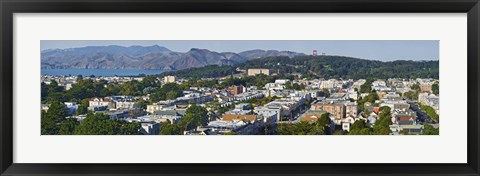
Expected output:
(9, 7)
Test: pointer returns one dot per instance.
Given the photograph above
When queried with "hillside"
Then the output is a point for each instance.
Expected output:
(325, 67)
(146, 57)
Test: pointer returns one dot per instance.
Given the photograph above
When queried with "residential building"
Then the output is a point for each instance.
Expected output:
(357, 84)
(239, 112)
(150, 128)
(45, 107)
(235, 90)
(336, 109)
(328, 84)
(352, 94)
(99, 102)
(169, 79)
(173, 119)
(396, 105)
(346, 126)
(268, 111)
(117, 114)
(154, 107)
(72, 107)
(238, 117)
(426, 87)
(126, 105)
(312, 116)
(351, 109)
(221, 127)
(243, 106)
(256, 71)
(410, 129)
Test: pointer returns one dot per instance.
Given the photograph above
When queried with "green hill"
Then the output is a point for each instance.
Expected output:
(324, 67)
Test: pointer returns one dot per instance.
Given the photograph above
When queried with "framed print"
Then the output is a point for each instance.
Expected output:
(239, 88)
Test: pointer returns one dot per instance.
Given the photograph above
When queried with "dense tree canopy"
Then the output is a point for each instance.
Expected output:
(87, 88)
(53, 118)
(359, 127)
(430, 130)
(195, 116)
(54, 123)
(430, 112)
(371, 98)
(382, 125)
(411, 95)
(101, 124)
(300, 128)
(435, 89)
(324, 67)
(210, 71)
(366, 87)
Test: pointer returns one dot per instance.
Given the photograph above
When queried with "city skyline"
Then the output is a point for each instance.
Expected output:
(383, 50)
(176, 90)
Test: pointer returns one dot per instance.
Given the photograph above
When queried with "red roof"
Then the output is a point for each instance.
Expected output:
(405, 118)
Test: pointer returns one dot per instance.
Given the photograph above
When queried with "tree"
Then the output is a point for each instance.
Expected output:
(403, 132)
(435, 89)
(385, 109)
(430, 130)
(195, 116)
(301, 128)
(359, 124)
(340, 132)
(82, 109)
(366, 87)
(51, 120)
(325, 92)
(372, 97)
(415, 87)
(142, 103)
(44, 91)
(294, 86)
(363, 131)
(359, 127)
(57, 110)
(68, 126)
(79, 78)
(53, 86)
(150, 81)
(100, 124)
(167, 128)
(325, 122)
(366, 113)
(189, 122)
(48, 125)
(430, 112)
(83, 89)
(167, 91)
(412, 95)
(171, 95)
(382, 125)
(321, 66)
(199, 112)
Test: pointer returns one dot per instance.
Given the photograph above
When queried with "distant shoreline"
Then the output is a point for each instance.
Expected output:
(99, 72)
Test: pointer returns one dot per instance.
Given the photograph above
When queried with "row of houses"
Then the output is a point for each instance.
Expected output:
(431, 100)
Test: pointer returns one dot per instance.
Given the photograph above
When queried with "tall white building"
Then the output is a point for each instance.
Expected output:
(169, 79)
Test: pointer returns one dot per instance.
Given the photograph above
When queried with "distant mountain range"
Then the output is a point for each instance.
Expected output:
(148, 57)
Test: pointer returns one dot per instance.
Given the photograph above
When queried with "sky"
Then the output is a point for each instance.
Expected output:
(384, 50)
